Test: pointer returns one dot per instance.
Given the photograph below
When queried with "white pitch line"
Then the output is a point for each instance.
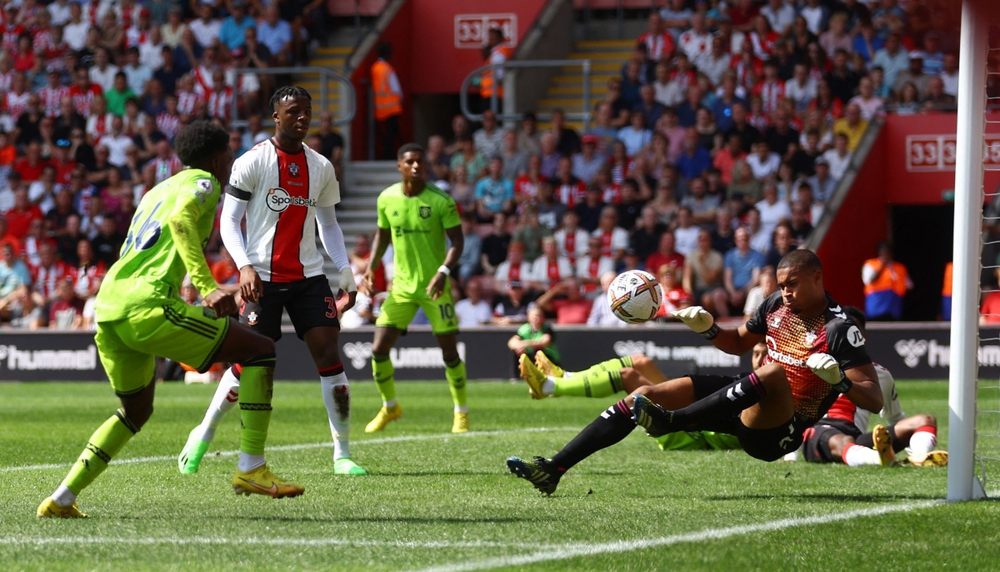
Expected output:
(573, 551)
(310, 542)
(304, 446)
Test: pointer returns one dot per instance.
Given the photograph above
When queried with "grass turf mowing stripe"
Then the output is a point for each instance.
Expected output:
(576, 550)
(304, 446)
(309, 542)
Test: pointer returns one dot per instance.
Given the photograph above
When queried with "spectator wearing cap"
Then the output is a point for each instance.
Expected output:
(587, 162)
(232, 32)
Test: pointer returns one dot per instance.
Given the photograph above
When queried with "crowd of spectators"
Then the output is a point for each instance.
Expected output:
(91, 97)
(711, 155)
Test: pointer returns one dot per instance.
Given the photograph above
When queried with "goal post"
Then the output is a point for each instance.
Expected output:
(962, 380)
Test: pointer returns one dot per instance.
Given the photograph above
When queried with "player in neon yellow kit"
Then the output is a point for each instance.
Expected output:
(141, 315)
(415, 216)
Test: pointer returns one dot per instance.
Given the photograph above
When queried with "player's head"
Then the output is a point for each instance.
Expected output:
(858, 317)
(204, 145)
(410, 159)
(292, 112)
(757, 358)
(800, 280)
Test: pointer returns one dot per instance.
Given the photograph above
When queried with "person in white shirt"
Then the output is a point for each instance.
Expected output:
(839, 158)
(550, 268)
(714, 62)
(759, 239)
(801, 88)
(151, 50)
(117, 142)
(763, 162)
(780, 15)
(772, 211)
(614, 239)
(59, 12)
(697, 40)
(75, 31)
(949, 75)
(600, 313)
(686, 233)
(103, 71)
(591, 266)
(822, 183)
(137, 73)
(870, 104)
(206, 28)
(473, 310)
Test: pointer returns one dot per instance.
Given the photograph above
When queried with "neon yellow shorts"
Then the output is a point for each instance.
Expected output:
(168, 328)
(398, 312)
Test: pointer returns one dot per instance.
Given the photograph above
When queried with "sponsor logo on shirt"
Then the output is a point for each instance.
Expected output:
(278, 200)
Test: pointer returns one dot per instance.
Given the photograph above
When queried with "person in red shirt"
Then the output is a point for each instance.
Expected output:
(19, 218)
(526, 186)
(32, 164)
(66, 311)
(674, 296)
(666, 255)
(6, 237)
(62, 162)
(572, 309)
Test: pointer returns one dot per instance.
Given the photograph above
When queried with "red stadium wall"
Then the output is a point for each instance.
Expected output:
(912, 163)
(424, 35)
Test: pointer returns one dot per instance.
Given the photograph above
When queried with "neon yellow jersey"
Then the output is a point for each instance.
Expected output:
(165, 241)
(418, 227)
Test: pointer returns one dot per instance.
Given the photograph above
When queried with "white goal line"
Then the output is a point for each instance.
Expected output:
(303, 446)
(576, 550)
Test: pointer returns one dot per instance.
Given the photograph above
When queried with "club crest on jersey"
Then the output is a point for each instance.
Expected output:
(293, 168)
(425, 212)
(811, 338)
(278, 200)
(252, 318)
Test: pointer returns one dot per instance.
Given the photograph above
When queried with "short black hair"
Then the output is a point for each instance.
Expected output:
(857, 316)
(292, 91)
(801, 259)
(199, 142)
(409, 148)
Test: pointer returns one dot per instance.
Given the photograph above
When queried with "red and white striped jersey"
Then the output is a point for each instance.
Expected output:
(186, 102)
(45, 278)
(220, 103)
(50, 99)
(16, 103)
(282, 190)
(168, 124)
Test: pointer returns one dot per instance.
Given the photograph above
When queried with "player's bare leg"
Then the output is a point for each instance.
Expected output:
(852, 454)
(322, 342)
(454, 371)
(383, 372)
(918, 434)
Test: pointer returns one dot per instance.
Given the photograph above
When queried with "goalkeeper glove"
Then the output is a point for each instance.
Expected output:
(827, 369)
(347, 283)
(698, 320)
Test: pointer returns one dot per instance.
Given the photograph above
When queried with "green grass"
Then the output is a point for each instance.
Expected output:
(438, 500)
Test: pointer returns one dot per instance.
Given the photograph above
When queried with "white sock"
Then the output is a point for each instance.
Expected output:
(389, 404)
(461, 409)
(549, 387)
(63, 496)
(249, 462)
(337, 398)
(922, 442)
(856, 456)
(227, 396)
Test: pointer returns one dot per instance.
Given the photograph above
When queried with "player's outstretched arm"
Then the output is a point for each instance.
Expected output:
(332, 237)
(383, 238)
(184, 229)
(735, 341)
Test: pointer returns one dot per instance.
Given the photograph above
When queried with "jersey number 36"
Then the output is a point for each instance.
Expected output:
(146, 235)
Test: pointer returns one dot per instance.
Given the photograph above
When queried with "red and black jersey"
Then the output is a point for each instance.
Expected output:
(791, 339)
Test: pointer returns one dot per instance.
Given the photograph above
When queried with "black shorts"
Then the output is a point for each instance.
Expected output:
(817, 439)
(764, 444)
(310, 304)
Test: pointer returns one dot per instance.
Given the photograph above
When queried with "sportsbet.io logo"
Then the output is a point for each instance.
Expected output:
(278, 200)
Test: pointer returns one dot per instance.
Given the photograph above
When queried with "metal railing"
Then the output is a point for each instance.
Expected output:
(510, 88)
(348, 98)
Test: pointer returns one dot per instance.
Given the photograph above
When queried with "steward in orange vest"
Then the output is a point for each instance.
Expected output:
(886, 282)
(388, 101)
(495, 52)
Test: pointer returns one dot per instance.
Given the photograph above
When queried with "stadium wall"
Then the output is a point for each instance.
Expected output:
(909, 351)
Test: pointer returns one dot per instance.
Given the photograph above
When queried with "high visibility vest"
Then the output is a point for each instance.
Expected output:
(486, 83)
(387, 102)
(892, 278)
(946, 288)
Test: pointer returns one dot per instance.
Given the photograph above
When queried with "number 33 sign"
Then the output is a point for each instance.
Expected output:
(472, 30)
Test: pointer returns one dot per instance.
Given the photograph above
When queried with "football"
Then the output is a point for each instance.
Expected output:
(635, 296)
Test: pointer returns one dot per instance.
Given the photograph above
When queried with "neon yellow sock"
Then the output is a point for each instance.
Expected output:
(382, 371)
(591, 383)
(613, 364)
(455, 373)
(256, 390)
(103, 445)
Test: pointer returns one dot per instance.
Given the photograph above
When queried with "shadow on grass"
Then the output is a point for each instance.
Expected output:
(388, 518)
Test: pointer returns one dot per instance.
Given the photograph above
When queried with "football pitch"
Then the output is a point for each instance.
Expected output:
(436, 501)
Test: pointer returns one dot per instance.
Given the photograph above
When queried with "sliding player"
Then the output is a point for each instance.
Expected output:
(283, 187)
(415, 216)
(140, 315)
(815, 353)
